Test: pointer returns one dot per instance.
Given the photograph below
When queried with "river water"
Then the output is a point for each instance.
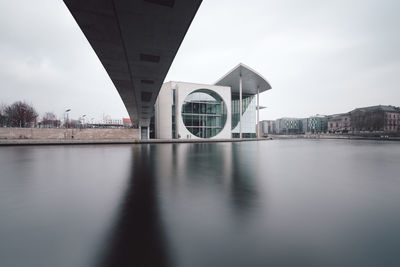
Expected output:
(268, 203)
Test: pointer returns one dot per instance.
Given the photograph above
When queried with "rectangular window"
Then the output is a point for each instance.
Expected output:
(196, 108)
(188, 120)
(203, 108)
(196, 121)
(188, 108)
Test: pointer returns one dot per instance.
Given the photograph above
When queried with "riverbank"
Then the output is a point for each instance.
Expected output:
(333, 136)
(26, 142)
(57, 134)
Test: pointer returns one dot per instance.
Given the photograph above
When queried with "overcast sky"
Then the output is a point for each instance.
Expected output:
(321, 57)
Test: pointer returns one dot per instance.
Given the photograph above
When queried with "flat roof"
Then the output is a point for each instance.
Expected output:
(251, 80)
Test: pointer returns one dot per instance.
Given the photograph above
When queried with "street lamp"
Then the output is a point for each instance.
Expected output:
(83, 119)
(68, 110)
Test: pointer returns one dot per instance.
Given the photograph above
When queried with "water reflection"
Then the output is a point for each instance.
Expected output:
(243, 190)
(273, 203)
(163, 181)
(222, 167)
(138, 238)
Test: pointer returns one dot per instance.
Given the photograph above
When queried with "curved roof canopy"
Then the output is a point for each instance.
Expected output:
(136, 41)
(251, 80)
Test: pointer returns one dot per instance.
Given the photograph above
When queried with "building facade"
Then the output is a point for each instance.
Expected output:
(226, 109)
(267, 127)
(127, 122)
(202, 111)
(315, 124)
(289, 126)
(339, 123)
(248, 116)
(378, 119)
(381, 119)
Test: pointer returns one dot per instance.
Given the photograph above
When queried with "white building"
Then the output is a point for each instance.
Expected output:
(191, 111)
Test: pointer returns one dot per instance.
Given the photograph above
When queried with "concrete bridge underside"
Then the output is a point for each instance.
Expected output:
(136, 41)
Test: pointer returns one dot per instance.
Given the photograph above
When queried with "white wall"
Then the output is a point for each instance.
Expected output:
(163, 112)
(183, 90)
(163, 109)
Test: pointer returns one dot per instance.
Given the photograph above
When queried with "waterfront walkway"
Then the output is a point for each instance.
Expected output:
(17, 142)
(13, 142)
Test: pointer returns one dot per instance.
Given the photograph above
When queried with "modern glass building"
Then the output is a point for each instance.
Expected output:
(226, 109)
(289, 126)
(316, 124)
(249, 107)
(204, 113)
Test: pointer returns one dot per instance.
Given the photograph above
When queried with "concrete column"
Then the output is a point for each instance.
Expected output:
(240, 105)
(258, 112)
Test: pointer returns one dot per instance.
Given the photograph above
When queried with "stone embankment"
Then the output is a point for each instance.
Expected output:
(59, 136)
(333, 136)
(67, 134)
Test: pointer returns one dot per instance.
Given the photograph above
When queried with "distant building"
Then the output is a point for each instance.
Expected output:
(112, 122)
(126, 122)
(315, 124)
(376, 119)
(267, 127)
(49, 123)
(108, 122)
(289, 126)
(339, 123)
(373, 119)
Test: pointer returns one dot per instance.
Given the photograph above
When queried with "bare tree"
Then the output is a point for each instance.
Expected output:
(49, 120)
(367, 120)
(3, 117)
(21, 114)
(50, 116)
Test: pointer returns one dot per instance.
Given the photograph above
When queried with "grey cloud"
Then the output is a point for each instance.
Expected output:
(319, 56)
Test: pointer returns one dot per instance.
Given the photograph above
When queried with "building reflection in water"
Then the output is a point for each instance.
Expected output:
(170, 186)
(161, 174)
(243, 190)
(222, 167)
(195, 205)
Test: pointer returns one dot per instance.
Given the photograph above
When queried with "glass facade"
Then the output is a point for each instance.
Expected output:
(173, 114)
(204, 113)
(248, 116)
(316, 125)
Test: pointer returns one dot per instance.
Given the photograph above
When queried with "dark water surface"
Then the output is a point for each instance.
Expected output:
(270, 203)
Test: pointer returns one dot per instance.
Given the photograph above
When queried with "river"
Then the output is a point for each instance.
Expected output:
(267, 203)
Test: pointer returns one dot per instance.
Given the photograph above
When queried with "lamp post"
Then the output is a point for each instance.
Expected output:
(258, 112)
(68, 110)
(240, 105)
(83, 119)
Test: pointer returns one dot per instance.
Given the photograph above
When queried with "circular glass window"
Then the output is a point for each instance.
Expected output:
(204, 113)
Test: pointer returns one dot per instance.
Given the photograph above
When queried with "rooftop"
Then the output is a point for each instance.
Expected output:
(250, 78)
(387, 108)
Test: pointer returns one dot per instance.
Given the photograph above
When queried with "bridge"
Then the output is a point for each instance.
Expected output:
(136, 41)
